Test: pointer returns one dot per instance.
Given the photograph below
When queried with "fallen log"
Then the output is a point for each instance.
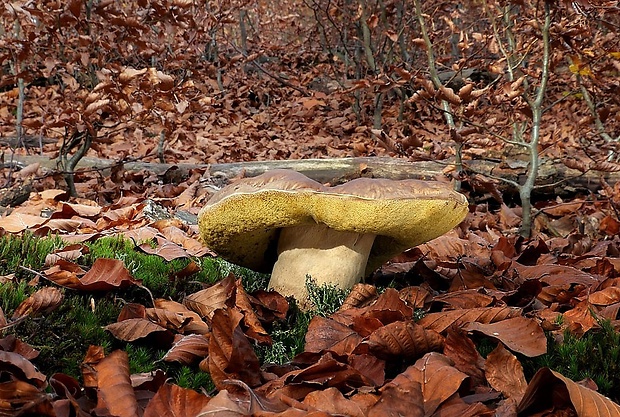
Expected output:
(554, 178)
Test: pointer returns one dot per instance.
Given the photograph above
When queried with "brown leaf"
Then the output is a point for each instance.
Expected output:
(15, 365)
(104, 275)
(549, 389)
(21, 398)
(196, 325)
(134, 329)
(415, 297)
(188, 350)
(442, 320)
(333, 402)
(360, 295)
(68, 253)
(505, 373)
(401, 397)
(327, 334)
(230, 353)
(462, 351)
(205, 302)
(438, 378)
(519, 334)
(114, 389)
(174, 401)
(255, 329)
(43, 301)
(406, 340)
(165, 248)
(465, 299)
(167, 319)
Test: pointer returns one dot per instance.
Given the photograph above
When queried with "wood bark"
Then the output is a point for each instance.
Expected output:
(554, 178)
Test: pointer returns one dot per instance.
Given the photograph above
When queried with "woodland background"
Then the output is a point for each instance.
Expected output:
(499, 93)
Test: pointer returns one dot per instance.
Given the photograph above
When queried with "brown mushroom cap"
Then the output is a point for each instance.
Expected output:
(241, 222)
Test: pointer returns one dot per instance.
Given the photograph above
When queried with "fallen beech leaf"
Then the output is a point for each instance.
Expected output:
(438, 378)
(605, 297)
(333, 402)
(465, 299)
(68, 210)
(549, 389)
(519, 334)
(196, 325)
(14, 364)
(463, 353)
(205, 302)
(104, 275)
(167, 319)
(401, 398)
(403, 340)
(230, 353)
(269, 305)
(20, 398)
(326, 372)
(360, 295)
(114, 389)
(68, 253)
(42, 301)
(415, 297)
(442, 320)
(165, 248)
(10, 343)
(505, 373)
(188, 350)
(255, 329)
(327, 334)
(174, 401)
(18, 222)
(134, 329)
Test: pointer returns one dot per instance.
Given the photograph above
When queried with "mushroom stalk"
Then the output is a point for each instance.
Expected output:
(326, 255)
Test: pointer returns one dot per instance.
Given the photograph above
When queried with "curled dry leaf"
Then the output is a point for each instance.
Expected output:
(167, 319)
(399, 398)
(437, 377)
(43, 301)
(104, 275)
(519, 334)
(20, 398)
(254, 328)
(551, 390)
(165, 248)
(462, 351)
(505, 373)
(327, 334)
(114, 389)
(68, 253)
(196, 325)
(188, 350)
(205, 302)
(134, 329)
(230, 353)
(442, 320)
(334, 403)
(360, 295)
(17, 367)
(173, 401)
(406, 340)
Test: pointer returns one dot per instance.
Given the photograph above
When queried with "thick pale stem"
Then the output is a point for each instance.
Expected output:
(326, 255)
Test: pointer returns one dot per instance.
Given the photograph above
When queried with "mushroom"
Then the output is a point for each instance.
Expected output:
(287, 224)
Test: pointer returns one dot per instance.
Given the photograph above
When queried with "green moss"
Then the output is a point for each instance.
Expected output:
(596, 355)
(63, 336)
(289, 335)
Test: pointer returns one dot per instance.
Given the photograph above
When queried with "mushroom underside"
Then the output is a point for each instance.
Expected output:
(326, 255)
